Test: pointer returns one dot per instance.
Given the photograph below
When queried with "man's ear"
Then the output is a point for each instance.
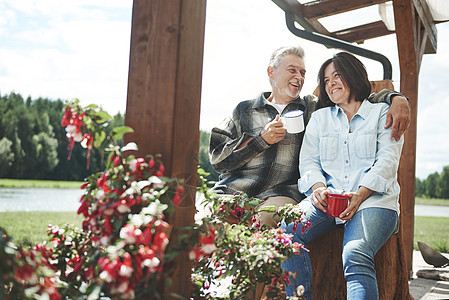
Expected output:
(270, 71)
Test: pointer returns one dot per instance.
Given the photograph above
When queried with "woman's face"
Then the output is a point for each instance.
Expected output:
(336, 89)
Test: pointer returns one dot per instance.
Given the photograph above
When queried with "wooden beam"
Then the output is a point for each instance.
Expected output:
(321, 9)
(295, 8)
(408, 62)
(361, 33)
(429, 25)
(163, 105)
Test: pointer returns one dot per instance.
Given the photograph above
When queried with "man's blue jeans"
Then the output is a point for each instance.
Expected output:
(365, 234)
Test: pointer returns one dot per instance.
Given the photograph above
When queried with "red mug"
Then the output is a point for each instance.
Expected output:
(336, 204)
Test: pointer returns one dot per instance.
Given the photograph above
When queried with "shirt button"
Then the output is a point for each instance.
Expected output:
(345, 142)
(347, 161)
(346, 177)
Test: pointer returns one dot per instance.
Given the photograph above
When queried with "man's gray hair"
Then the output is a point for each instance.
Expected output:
(275, 59)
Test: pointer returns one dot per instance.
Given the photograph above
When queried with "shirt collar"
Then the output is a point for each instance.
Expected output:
(362, 112)
(262, 101)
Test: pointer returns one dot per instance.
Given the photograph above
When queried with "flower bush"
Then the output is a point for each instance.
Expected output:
(124, 249)
(242, 251)
(26, 272)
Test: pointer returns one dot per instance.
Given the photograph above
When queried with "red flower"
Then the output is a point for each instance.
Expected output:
(147, 236)
(117, 161)
(160, 172)
(66, 117)
(88, 142)
(178, 195)
(151, 163)
(84, 207)
(160, 242)
(206, 245)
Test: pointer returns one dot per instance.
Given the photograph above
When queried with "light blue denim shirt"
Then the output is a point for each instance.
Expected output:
(346, 155)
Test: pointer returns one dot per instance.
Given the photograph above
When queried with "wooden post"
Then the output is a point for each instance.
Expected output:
(163, 104)
(410, 55)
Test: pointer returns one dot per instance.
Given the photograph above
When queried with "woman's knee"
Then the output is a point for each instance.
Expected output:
(356, 255)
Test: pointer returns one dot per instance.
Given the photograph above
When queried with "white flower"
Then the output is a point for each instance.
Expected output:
(106, 276)
(208, 248)
(125, 271)
(151, 263)
(100, 195)
(123, 208)
(73, 133)
(133, 165)
(130, 233)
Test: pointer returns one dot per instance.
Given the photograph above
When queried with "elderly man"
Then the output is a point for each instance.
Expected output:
(252, 150)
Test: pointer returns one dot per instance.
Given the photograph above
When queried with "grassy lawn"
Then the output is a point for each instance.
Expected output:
(431, 201)
(433, 232)
(30, 227)
(28, 183)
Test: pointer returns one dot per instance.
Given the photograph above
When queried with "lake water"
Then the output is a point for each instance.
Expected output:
(41, 199)
(431, 211)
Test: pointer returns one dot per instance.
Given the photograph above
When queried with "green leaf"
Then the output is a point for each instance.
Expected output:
(268, 208)
(99, 138)
(102, 116)
(90, 106)
(118, 132)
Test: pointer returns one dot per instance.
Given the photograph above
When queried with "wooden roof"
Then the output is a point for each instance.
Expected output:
(308, 15)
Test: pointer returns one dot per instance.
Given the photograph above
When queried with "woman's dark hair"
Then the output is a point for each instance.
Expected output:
(352, 73)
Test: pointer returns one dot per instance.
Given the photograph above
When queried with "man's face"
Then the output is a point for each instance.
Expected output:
(287, 80)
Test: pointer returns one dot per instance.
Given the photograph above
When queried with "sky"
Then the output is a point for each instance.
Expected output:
(80, 49)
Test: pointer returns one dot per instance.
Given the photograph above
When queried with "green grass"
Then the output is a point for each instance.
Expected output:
(30, 227)
(28, 183)
(433, 231)
(431, 201)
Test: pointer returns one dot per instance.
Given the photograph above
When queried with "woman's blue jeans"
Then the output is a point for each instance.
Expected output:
(365, 234)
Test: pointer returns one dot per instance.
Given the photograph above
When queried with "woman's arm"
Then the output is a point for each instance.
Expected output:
(309, 159)
(388, 152)
(398, 116)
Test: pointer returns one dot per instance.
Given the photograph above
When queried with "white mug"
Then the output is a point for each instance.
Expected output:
(293, 121)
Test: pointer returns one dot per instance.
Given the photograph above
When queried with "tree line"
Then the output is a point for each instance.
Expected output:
(434, 186)
(33, 143)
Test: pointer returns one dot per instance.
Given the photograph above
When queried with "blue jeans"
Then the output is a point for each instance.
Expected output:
(365, 234)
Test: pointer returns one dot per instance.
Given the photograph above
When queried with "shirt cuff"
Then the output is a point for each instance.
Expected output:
(306, 182)
(258, 143)
(374, 183)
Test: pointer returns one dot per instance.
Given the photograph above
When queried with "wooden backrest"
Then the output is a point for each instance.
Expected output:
(376, 86)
